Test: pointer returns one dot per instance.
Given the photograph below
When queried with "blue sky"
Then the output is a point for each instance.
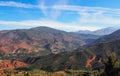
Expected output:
(68, 15)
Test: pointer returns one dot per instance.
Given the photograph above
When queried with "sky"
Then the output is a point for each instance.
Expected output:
(67, 15)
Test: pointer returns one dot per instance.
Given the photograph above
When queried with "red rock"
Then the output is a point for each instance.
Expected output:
(12, 64)
(89, 61)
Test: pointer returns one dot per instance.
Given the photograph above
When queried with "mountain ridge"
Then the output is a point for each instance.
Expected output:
(104, 31)
(39, 39)
(109, 38)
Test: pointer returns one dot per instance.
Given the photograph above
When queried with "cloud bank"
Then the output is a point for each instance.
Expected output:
(52, 24)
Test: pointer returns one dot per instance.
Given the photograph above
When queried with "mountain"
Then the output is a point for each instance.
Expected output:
(85, 32)
(104, 31)
(105, 48)
(105, 44)
(62, 50)
(80, 58)
(39, 40)
(89, 38)
(109, 38)
(34, 41)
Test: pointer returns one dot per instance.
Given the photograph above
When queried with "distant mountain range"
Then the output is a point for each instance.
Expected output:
(45, 40)
(50, 49)
(104, 31)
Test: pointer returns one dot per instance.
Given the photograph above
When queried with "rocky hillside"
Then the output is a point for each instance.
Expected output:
(80, 58)
(37, 40)
(105, 48)
(12, 64)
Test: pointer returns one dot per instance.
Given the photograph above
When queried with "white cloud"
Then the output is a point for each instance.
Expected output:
(96, 15)
(48, 10)
(88, 16)
(16, 4)
(53, 24)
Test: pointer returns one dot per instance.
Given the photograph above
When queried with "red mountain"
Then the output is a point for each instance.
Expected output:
(37, 40)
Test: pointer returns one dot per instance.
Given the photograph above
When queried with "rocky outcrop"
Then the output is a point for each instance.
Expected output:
(89, 61)
(12, 64)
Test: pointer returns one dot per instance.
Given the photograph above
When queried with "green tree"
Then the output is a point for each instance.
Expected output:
(112, 65)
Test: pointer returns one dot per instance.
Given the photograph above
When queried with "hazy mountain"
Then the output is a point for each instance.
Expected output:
(105, 44)
(108, 38)
(38, 40)
(85, 32)
(104, 31)
(88, 38)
